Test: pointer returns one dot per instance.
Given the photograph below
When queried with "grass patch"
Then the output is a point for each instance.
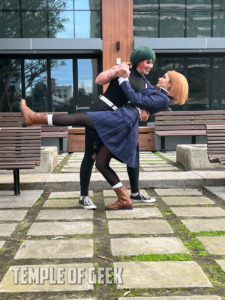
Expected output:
(210, 233)
(195, 246)
(157, 257)
(167, 213)
(216, 274)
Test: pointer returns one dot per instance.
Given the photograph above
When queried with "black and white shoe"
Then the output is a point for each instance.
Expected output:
(87, 203)
(142, 198)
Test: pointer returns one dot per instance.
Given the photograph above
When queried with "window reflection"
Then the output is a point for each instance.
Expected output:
(198, 24)
(145, 24)
(87, 24)
(218, 24)
(87, 89)
(10, 85)
(219, 4)
(61, 24)
(62, 4)
(172, 24)
(62, 85)
(9, 25)
(144, 5)
(36, 84)
(34, 4)
(218, 99)
(34, 24)
(171, 4)
(199, 4)
(6, 4)
(87, 4)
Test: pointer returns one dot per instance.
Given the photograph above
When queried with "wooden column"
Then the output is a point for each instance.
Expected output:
(117, 26)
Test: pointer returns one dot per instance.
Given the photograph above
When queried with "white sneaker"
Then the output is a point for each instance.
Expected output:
(87, 203)
(142, 198)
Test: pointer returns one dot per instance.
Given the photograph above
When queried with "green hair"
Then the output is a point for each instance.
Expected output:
(140, 54)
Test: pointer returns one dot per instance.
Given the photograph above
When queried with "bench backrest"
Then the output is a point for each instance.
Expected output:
(13, 119)
(188, 120)
(216, 143)
(20, 148)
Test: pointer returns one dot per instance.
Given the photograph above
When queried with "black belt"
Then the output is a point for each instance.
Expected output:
(133, 108)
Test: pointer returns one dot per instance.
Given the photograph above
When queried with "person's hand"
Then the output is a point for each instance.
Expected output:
(124, 72)
(144, 115)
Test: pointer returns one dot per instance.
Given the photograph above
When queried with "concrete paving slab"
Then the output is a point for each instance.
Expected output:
(157, 168)
(219, 191)
(7, 229)
(70, 170)
(139, 227)
(198, 225)
(24, 200)
(60, 228)
(111, 193)
(178, 192)
(2, 244)
(198, 211)
(161, 274)
(62, 203)
(12, 215)
(136, 213)
(46, 278)
(205, 297)
(213, 244)
(221, 263)
(154, 162)
(72, 194)
(186, 200)
(212, 177)
(148, 245)
(54, 249)
(65, 214)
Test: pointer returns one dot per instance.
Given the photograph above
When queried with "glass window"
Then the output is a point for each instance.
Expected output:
(87, 24)
(34, 4)
(198, 24)
(60, 4)
(34, 24)
(10, 85)
(198, 79)
(6, 4)
(199, 4)
(62, 79)
(36, 84)
(171, 24)
(61, 24)
(145, 24)
(219, 24)
(172, 4)
(144, 5)
(87, 4)
(218, 97)
(219, 4)
(9, 25)
(87, 89)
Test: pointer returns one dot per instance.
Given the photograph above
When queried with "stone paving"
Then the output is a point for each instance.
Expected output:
(173, 249)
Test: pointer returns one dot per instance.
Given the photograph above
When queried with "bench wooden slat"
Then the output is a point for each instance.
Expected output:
(216, 143)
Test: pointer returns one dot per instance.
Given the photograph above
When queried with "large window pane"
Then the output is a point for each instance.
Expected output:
(9, 25)
(62, 85)
(60, 4)
(198, 79)
(219, 24)
(171, 4)
(34, 4)
(6, 4)
(145, 24)
(198, 24)
(10, 85)
(34, 24)
(87, 89)
(36, 84)
(145, 5)
(218, 99)
(87, 24)
(87, 4)
(172, 24)
(219, 4)
(61, 24)
(199, 4)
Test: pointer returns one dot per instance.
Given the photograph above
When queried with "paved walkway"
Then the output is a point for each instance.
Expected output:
(173, 249)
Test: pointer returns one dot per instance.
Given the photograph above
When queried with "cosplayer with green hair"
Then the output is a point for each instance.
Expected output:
(141, 54)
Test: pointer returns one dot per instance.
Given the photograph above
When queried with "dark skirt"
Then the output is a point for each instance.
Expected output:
(119, 131)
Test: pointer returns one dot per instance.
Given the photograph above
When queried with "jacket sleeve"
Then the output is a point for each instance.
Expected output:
(149, 99)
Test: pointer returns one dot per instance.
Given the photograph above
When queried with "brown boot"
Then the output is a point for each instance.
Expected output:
(30, 117)
(123, 201)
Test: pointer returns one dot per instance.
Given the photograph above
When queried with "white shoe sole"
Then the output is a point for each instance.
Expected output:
(152, 200)
(88, 207)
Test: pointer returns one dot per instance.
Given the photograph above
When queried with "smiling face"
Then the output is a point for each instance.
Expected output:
(145, 66)
(164, 82)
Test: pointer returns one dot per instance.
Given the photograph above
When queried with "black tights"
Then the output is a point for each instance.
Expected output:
(104, 155)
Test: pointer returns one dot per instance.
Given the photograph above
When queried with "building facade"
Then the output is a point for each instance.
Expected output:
(52, 50)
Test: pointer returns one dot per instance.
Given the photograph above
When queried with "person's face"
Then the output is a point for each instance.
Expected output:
(164, 82)
(145, 66)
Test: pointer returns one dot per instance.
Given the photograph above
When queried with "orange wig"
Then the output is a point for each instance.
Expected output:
(179, 88)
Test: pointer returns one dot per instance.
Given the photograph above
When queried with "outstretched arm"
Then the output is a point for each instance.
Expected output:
(108, 75)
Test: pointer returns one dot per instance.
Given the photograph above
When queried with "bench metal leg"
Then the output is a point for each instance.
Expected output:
(16, 176)
(163, 144)
(193, 139)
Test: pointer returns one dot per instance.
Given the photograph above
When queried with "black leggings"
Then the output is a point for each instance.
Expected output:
(104, 155)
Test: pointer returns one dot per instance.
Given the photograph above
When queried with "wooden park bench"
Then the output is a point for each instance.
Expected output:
(216, 143)
(10, 119)
(186, 123)
(20, 148)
